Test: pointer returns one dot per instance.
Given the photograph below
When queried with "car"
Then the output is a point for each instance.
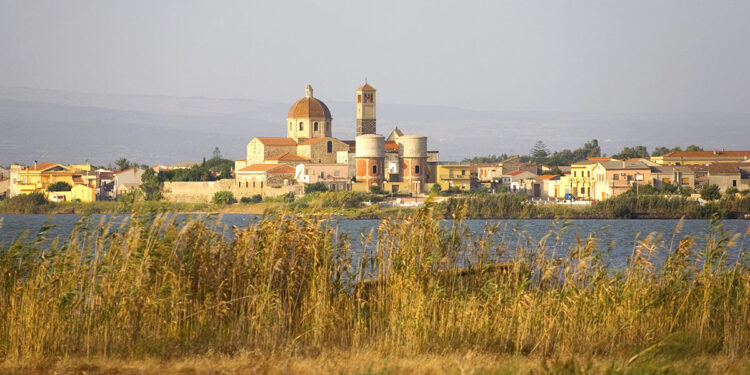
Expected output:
(569, 197)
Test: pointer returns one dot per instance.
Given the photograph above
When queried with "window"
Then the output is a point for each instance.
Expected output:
(329, 146)
(315, 126)
(686, 181)
(374, 169)
(574, 173)
(328, 127)
(615, 177)
(322, 175)
(261, 184)
(463, 172)
(239, 184)
(734, 183)
(253, 184)
(588, 173)
(359, 98)
(245, 183)
(416, 169)
(583, 190)
(337, 173)
(301, 127)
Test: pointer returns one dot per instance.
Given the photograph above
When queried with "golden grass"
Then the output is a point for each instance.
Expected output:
(291, 290)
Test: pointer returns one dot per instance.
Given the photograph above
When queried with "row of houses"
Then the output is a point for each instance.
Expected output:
(602, 178)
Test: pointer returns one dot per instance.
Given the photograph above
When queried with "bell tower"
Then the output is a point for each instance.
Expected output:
(365, 110)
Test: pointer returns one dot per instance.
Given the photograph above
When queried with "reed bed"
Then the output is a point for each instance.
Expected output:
(156, 288)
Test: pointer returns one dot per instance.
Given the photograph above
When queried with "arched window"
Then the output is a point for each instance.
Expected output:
(416, 169)
(315, 126)
(374, 169)
(330, 147)
(300, 126)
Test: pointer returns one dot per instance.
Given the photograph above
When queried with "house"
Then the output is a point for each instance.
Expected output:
(520, 181)
(127, 180)
(546, 186)
(614, 177)
(580, 182)
(679, 175)
(38, 178)
(262, 178)
(701, 157)
(489, 175)
(334, 176)
(726, 175)
(455, 176)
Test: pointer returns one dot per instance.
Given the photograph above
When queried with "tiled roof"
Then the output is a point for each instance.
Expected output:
(391, 146)
(547, 177)
(516, 173)
(267, 168)
(287, 156)
(309, 108)
(723, 168)
(706, 154)
(42, 166)
(366, 86)
(312, 141)
(623, 165)
(277, 141)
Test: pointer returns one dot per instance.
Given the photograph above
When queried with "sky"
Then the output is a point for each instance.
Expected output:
(629, 56)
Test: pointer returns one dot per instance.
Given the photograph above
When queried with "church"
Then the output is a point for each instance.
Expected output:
(310, 154)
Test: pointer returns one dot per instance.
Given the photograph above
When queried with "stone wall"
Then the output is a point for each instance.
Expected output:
(203, 191)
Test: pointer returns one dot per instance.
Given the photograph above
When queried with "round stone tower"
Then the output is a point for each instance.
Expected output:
(412, 157)
(370, 154)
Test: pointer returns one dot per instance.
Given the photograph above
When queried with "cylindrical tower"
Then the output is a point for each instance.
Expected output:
(370, 154)
(412, 150)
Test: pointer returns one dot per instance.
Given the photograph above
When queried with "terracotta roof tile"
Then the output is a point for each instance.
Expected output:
(707, 154)
(547, 177)
(312, 141)
(268, 168)
(366, 86)
(277, 141)
(287, 156)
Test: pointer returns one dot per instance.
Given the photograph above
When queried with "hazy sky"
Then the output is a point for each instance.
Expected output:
(587, 56)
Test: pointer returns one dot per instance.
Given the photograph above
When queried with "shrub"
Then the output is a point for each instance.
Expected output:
(257, 198)
(710, 192)
(224, 197)
(33, 203)
(435, 189)
(59, 186)
(731, 191)
(318, 186)
(375, 189)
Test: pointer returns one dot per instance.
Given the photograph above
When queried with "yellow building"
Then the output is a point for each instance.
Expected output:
(454, 176)
(701, 157)
(580, 182)
(38, 178)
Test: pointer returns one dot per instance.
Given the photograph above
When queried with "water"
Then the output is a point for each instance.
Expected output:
(619, 234)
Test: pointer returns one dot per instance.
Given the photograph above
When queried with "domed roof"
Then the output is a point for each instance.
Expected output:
(309, 107)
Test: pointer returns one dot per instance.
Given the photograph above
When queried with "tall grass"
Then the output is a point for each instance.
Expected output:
(294, 285)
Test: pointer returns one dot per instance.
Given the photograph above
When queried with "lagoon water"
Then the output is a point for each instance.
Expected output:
(620, 235)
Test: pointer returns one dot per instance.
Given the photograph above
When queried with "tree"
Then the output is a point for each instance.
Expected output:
(555, 171)
(539, 152)
(217, 153)
(659, 151)
(731, 191)
(694, 148)
(151, 185)
(710, 192)
(122, 164)
(59, 186)
(632, 152)
(435, 189)
(257, 198)
(224, 197)
(670, 188)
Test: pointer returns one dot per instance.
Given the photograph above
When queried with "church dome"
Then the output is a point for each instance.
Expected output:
(309, 107)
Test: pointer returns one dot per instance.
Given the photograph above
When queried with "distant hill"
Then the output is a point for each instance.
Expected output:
(47, 125)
